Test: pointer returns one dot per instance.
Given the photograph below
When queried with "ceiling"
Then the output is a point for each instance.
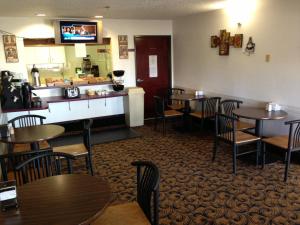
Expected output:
(118, 9)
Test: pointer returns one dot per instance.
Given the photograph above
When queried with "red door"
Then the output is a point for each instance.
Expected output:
(153, 67)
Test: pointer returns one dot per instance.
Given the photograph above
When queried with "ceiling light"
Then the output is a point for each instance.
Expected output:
(98, 17)
(40, 14)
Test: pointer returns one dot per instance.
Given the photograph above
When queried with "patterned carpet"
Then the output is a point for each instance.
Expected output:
(193, 190)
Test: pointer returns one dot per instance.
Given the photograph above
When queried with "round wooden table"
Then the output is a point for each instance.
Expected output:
(33, 135)
(187, 98)
(61, 200)
(259, 115)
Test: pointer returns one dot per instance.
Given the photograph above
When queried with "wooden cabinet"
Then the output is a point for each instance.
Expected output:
(43, 55)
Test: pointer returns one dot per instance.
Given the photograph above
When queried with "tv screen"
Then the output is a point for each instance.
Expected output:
(78, 32)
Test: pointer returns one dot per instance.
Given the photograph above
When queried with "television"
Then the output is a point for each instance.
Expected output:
(78, 32)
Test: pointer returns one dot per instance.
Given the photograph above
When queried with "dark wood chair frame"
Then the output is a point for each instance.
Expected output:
(209, 107)
(148, 178)
(225, 130)
(227, 106)
(293, 145)
(42, 165)
(27, 120)
(159, 104)
(172, 91)
(8, 162)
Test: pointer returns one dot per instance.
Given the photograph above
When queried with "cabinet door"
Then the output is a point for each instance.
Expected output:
(57, 54)
(36, 55)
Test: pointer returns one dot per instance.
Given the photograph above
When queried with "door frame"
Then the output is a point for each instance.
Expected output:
(170, 54)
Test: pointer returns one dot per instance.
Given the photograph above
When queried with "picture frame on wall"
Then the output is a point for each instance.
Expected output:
(123, 46)
(10, 48)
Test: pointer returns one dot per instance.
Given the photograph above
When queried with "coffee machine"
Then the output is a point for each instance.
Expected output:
(11, 96)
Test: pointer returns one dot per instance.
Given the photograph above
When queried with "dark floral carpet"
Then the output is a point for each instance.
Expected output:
(193, 190)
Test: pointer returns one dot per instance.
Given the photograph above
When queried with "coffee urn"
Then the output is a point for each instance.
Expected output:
(35, 76)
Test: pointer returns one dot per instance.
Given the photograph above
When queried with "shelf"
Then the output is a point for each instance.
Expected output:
(77, 85)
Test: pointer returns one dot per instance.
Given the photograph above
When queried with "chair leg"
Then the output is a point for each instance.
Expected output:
(164, 126)
(89, 158)
(263, 156)
(234, 148)
(258, 152)
(287, 165)
(155, 123)
(215, 149)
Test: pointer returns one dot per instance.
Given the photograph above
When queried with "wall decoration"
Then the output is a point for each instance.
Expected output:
(225, 40)
(123, 46)
(10, 48)
(214, 41)
(250, 47)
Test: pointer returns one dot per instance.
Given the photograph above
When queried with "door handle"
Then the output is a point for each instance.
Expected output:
(139, 80)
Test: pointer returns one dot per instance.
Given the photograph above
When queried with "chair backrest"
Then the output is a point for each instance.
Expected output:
(294, 134)
(43, 165)
(227, 106)
(87, 124)
(211, 106)
(159, 106)
(8, 162)
(225, 127)
(148, 177)
(27, 120)
(175, 91)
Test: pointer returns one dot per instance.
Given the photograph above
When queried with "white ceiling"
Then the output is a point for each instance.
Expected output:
(119, 9)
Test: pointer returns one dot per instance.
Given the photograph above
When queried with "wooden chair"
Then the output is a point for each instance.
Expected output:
(175, 104)
(26, 121)
(289, 144)
(145, 210)
(43, 165)
(8, 162)
(81, 149)
(226, 130)
(162, 114)
(227, 107)
(209, 107)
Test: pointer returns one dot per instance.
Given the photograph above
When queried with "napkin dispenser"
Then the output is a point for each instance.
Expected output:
(273, 107)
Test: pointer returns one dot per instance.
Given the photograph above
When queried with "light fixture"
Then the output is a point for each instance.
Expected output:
(98, 17)
(240, 11)
(40, 14)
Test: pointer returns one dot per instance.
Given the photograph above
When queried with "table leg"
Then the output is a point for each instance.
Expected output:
(258, 126)
(35, 146)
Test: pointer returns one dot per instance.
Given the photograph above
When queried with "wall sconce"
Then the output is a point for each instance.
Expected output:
(240, 11)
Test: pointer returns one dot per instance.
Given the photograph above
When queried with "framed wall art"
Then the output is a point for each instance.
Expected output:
(123, 46)
(10, 48)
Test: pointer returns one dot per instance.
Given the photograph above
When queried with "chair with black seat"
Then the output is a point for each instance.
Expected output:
(289, 143)
(27, 121)
(175, 104)
(209, 107)
(42, 166)
(81, 149)
(226, 131)
(145, 210)
(162, 114)
(227, 107)
(8, 162)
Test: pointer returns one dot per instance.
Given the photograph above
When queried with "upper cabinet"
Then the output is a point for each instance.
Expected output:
(45, 55)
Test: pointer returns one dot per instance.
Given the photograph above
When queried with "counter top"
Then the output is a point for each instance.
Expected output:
(56, 99)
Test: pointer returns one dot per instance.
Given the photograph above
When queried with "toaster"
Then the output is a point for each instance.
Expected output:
(71, 92)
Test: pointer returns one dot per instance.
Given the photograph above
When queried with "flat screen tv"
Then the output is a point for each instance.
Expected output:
(78, 32)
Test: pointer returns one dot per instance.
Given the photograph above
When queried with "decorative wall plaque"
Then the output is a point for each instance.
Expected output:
(123, 46)
(10, 48)
(225, 40)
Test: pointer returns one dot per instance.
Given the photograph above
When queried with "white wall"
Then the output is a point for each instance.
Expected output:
(42, 28)
(275, 30)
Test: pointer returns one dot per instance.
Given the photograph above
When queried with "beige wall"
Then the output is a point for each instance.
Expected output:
(275, 30)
